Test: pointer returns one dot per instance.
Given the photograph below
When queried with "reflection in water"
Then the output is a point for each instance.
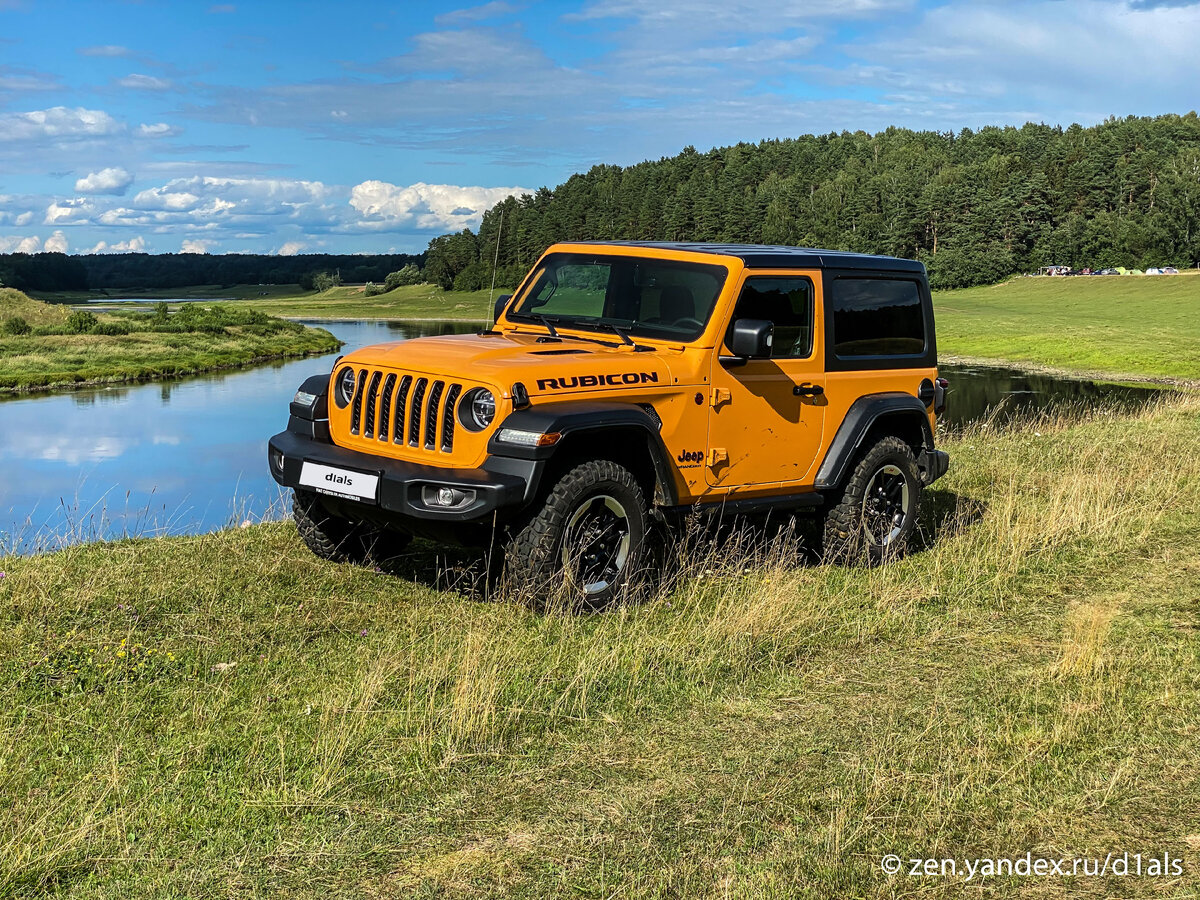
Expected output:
(189, 455)
(177, 456)
(978, 392)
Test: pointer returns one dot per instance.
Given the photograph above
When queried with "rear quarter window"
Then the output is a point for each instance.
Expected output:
(875, 317)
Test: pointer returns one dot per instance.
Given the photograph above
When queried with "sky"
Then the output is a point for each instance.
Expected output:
(358, 127)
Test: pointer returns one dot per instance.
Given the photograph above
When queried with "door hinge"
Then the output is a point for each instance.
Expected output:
(717, 456)
(721, 395)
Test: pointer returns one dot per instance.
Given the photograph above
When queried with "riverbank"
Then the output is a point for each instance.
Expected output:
(225, 713)
(52, 349)
(343, 303)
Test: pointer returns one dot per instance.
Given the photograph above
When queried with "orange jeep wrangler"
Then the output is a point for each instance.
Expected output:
(625, 383)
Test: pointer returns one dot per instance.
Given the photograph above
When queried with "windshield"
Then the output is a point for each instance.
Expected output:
(654, 298)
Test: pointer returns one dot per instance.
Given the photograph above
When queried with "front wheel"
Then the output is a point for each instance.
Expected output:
(340, 540)
(877, 510)
(587, 537)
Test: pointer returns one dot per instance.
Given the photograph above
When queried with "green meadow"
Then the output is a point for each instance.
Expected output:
(226, 715)
(1144, 326)
(45, 346)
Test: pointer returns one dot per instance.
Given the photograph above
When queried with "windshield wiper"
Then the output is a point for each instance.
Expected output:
(544, 320)
(573, 323)
(616, 329)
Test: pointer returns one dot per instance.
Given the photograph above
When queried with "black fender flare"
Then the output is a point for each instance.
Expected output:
(860, 418)
(573, 418)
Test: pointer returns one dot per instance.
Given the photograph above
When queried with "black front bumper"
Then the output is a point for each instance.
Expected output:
(502, 484)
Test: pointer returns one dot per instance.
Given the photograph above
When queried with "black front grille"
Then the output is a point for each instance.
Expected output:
(372, 396)
(431, 413)
(385, 407)
(401, 408)
(405, 409)
(418, 404)
(356, 408)
(449, 418)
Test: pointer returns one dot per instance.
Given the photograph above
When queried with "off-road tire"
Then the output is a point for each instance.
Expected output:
(846, 537)
(580, 504)
(340, 540)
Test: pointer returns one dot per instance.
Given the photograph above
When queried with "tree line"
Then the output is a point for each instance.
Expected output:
(974, 206)
(125, 271)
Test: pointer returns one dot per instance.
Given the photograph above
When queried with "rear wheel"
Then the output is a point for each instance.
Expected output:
(877, 509)
(587, 537)
(340, 540)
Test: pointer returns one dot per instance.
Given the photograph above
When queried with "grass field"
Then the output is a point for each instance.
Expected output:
(39, 361)
(226, 715)
(1145, 326)
(418, 301)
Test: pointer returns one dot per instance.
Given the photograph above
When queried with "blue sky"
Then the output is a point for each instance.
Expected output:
(284, 127)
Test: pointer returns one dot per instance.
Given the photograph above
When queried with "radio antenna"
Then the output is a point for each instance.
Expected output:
(495, 264)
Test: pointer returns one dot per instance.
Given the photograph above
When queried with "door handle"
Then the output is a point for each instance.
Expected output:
(808, 390)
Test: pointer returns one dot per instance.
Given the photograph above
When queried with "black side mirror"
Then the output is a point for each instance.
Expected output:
(501, 302)
(751, 338)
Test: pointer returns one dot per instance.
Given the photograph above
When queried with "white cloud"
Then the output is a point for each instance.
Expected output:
(114, 180)
(195, 246)
(56, 243)
(1024, 60)
(162, 198)
(24, 218)
(69, 212)
(213, 199)
(111, 50)
(133, 245)
(139, 82)
(476, 13)
(158, 130)
(57, 123)
(20, 244)
(19, 79)
(444, 206)
(291, 248)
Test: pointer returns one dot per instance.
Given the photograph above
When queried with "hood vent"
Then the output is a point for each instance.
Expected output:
(563, 352)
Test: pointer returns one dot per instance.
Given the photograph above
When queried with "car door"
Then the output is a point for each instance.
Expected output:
(766, 415)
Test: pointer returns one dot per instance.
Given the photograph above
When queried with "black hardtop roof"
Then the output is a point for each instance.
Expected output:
(763, 256)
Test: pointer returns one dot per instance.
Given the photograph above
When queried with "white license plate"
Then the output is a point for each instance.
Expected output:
(339, 482)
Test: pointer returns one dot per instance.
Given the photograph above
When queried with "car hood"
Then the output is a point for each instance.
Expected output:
(502, 359)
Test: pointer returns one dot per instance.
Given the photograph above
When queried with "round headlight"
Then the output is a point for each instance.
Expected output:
(477, 409)
(343, 393)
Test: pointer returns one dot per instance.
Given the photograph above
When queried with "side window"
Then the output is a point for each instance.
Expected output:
(788, 302)
(877, 317)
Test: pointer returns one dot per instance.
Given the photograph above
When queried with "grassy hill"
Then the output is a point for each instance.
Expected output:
(131, 346)
(1147, 325)
(227, 715)
(14, 303)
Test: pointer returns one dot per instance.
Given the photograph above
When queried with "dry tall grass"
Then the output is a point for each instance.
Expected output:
(960, 691)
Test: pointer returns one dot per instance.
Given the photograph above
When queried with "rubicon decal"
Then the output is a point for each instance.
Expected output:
(583, 381)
